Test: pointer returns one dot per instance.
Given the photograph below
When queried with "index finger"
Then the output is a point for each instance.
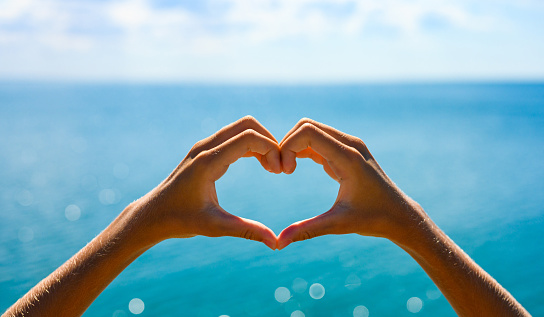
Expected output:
(229, 131)
(238, 146)
(342, 137)
(337, 154)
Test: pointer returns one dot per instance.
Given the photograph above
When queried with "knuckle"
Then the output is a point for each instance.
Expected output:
(359, 143)
(306, 235)
(202, 144)
(361, 148)
(352, 154)
(305, 120)
(196, 149)
(307, 128)
(248, 120)
(249, 134)
(247, 234)
(205, 157)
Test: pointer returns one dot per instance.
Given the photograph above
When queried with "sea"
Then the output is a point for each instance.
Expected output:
(74, 155)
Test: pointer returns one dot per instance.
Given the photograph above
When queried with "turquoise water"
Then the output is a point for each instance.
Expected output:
(73, 156)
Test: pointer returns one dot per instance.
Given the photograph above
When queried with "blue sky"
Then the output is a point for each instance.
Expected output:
(274, 41)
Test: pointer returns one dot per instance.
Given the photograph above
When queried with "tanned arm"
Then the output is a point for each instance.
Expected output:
(370, 204)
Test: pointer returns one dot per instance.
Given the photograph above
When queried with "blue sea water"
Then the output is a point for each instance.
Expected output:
(72, 156)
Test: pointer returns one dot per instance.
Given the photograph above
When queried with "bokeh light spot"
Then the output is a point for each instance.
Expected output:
(72, 212)
(24, 198)
(360, 311)
(282, 294)
(352, 282)
(119, 313)
(414, 304)
(317, 291)
(299, 285)
(433, 294)
(136, 306)
(108, 196)
(297, 313)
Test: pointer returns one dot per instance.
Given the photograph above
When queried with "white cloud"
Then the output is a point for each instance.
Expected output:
(241, 20)
(43, 24)
(130, 14)
(11, 10)
(140, 32)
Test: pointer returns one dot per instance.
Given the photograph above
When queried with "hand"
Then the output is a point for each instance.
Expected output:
(185, 204)
(368, 202)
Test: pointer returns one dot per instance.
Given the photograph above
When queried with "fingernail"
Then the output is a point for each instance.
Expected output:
(269, 243)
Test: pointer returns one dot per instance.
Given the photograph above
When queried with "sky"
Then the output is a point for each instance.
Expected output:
(272, 41)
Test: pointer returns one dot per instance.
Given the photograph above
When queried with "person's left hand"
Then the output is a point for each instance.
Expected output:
(185, 204)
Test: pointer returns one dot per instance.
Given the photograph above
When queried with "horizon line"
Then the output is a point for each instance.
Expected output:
(422, 81)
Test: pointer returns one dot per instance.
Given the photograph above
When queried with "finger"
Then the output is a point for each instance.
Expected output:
(261, 158)
(337, 154)
(309, 153)
(234, 226)
(338, 135)
(307, 229)
(249, 141)
(229, 131)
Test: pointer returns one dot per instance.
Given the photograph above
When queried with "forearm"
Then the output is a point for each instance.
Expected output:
(70, 289)
(470, 290)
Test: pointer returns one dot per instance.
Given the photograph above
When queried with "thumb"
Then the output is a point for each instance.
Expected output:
(323, 224)
(235, 226)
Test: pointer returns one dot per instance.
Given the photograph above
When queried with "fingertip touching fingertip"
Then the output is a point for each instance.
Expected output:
(271, 244)
(277, 168)
(287, 169)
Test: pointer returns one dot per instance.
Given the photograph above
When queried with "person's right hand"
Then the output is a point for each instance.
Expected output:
(185, 204)
(368, 202)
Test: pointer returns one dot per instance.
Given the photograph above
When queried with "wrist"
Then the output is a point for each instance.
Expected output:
(134, 225)
(415, 229)
(423, 239)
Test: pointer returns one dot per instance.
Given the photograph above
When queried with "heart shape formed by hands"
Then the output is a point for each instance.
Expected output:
(368, 202)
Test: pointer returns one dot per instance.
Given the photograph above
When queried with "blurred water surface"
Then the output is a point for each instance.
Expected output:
(74, 155)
